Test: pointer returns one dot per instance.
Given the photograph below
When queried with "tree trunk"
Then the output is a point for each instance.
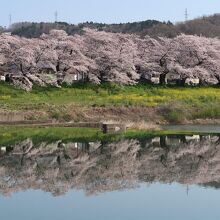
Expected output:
(182, 82)
(163, 79)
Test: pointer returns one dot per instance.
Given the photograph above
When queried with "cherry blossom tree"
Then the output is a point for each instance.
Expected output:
(97, 57)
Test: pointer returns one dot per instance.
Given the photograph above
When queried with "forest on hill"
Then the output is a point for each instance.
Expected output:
(208, 26)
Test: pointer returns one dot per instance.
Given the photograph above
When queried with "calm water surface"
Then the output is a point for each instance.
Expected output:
(168, 177)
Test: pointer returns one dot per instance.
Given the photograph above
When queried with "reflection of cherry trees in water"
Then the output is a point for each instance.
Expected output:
(100, 167)
(57, 58)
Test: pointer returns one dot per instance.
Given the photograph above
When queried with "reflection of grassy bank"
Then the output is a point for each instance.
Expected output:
(11, 135)
(83, 102)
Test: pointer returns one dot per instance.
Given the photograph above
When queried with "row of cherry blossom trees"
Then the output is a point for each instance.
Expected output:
(97, 57)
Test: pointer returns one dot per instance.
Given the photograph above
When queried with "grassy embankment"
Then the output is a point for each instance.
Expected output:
(91, 102)
(11, 135)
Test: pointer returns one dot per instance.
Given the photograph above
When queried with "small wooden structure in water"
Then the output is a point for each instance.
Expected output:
(113, 128)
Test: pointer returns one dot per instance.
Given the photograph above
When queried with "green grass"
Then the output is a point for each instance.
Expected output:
(11, 135)
(105, 95)
(177, 102)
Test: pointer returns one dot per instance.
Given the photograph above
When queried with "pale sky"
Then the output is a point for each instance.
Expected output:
(106, 11)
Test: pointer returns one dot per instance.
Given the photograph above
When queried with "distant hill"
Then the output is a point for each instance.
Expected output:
(1, 29)
(27, 29)
(33, 30)
(208, 26)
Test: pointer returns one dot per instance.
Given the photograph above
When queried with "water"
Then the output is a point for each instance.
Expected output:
(195, 128)
(168, 177)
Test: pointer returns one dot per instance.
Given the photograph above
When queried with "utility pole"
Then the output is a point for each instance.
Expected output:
(56, 16)
(186, 14)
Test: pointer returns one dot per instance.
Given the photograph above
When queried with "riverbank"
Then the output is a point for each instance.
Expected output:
(13, 134)
(137, 104)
